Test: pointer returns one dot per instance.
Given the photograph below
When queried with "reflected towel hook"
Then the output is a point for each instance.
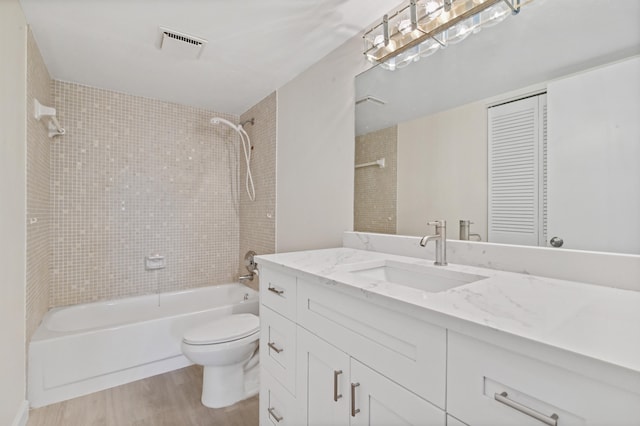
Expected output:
(53, 126)
(380, 163)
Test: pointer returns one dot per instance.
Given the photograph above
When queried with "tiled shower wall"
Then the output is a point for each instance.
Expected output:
(38, 199)
(375, 188)
(258, 218)
(134, 177)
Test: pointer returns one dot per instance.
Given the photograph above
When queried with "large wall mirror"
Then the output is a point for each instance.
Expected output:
(573, 65)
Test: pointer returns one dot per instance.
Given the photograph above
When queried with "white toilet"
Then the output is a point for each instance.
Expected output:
(227, 348)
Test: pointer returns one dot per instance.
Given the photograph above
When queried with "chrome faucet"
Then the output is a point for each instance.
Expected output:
(465, 231)
(251, 266)
(441, 241)
(244, 278)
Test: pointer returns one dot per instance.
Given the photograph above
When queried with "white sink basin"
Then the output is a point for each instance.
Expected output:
(427, 278)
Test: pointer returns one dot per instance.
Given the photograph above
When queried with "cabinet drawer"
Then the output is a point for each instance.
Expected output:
(408, 351)
(278, 347)
(488, 385)
(278, 291)
(277, 406)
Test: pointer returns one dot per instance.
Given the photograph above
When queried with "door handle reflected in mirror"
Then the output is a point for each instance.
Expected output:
(556, 242)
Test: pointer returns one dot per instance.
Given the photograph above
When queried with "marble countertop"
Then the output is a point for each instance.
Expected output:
(598, 322)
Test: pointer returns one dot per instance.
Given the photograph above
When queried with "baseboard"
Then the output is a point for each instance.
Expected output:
(22, 416)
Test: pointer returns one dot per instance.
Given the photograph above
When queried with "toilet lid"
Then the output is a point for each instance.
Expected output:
(226, 329)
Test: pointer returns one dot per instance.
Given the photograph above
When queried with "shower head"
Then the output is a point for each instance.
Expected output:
(218, 120)
(246, 147)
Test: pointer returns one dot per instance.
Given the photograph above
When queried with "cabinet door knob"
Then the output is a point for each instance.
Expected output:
(273, 346)
(336, 396)
(354, 410)
(276, 417)
(551, 420)
(556, 242)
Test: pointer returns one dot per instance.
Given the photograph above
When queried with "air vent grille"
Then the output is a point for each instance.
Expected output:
(180, 44)
(182, 38)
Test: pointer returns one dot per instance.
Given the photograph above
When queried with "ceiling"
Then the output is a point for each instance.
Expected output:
(547, 40)
(254, 46)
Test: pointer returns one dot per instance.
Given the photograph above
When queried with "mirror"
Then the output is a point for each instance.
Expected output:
(431, 124)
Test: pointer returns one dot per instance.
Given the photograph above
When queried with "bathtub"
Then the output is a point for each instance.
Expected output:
(85, 348)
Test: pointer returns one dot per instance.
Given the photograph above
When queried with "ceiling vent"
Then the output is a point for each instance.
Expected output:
(181, 45)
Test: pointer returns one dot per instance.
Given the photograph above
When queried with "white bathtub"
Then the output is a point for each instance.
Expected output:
(85, 348)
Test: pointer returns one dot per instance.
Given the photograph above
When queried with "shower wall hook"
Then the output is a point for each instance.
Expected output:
(53, 126)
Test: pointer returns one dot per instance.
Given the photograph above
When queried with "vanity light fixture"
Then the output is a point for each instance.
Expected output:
(424, 26)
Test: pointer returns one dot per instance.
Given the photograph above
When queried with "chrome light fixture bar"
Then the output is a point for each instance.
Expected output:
(423, 26)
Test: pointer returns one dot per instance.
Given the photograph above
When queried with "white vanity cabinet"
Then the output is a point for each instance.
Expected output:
(342, 356)
(336, 389)
(278, 404)
(409, 351)
(488, 385)
(341, 360)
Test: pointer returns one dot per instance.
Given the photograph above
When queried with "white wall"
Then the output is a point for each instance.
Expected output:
(13, 92)
(315, 152)
(442, 171)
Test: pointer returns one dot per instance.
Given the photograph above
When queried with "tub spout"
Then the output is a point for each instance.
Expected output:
(245, 278)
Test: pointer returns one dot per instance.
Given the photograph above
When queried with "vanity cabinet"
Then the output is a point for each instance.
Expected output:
(278, 342)
(337, 389)
(340, 358)
(488, 385)
(411, 352)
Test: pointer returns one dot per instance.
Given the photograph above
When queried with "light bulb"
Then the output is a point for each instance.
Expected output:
(378, 41)
(495, 14)
(389, 64)
(459, 32)
(404, 26)
(433, 8)
(428, 47)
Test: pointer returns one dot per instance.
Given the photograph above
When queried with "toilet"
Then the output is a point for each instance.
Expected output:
(227, 348)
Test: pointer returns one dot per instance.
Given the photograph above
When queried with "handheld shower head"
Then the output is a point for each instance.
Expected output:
(218, 120)
(246, 146)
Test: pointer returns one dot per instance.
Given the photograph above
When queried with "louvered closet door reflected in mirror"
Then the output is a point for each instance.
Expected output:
(517, 171)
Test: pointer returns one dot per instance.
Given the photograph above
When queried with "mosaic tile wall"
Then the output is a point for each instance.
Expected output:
(134, 177)
(257, 218)
(38, 199)
(376, 188)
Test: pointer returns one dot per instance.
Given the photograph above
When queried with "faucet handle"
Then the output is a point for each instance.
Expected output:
(439, 222)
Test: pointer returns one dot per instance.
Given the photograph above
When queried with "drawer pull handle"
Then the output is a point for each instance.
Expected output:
(276, 291)
(272, 412)
(354, 411)
(548, 420)
(336, 396)
(273, 346)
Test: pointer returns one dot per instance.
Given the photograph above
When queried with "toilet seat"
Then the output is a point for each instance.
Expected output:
(226, 329)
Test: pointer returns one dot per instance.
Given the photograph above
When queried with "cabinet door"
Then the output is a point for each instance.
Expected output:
(376, 400)
(323, 381)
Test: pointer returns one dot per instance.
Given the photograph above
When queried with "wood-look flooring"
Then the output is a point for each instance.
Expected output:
(170, 399)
